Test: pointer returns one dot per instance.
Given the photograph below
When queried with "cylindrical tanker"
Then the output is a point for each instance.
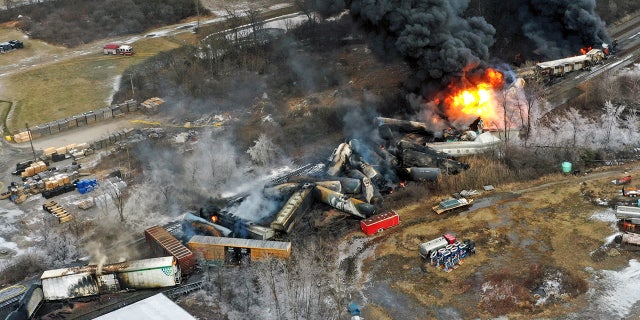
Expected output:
(367, 153)
(281, 191)
(347, 185)
(423, 173)
(405, 125)
(339, 156)
(205, 226)
(331, 185)
(370, 192)
(341, 202)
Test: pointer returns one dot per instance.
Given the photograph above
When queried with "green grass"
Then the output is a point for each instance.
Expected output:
(61, 89)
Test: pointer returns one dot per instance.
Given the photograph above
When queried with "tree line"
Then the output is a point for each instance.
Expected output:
(74, 22)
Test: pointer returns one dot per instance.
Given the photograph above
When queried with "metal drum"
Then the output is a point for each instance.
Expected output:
(434, 258)
(441, 256)
(455, 248)
(462, 249)
(446, 260)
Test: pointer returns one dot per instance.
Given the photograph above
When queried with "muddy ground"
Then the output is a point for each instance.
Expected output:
(539, 247)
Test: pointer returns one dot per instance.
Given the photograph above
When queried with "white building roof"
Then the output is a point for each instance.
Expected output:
(157, 307)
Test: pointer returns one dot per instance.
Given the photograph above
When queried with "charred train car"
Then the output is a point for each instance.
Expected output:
(560, 67)
(70, 283)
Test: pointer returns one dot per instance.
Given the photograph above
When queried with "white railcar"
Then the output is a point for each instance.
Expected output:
(91, 280)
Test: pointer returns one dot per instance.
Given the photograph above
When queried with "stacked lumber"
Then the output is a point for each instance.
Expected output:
(57, 211)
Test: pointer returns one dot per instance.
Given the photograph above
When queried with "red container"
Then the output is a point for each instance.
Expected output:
(450, 238)
(380, 222)
(162, 243)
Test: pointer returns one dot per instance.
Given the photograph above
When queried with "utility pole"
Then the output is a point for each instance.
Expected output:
(31, 142)
(197, 3)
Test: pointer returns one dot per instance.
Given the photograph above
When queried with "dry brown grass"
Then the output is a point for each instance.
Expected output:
(482, 171)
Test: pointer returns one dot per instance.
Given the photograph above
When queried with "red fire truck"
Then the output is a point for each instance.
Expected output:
(114, 48)
(380, 222)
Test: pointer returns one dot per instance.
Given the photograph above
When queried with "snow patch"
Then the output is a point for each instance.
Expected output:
(608, 215)
(620, 290)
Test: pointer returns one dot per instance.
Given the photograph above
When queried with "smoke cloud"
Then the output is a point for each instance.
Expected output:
(559, 28)
(433, 37)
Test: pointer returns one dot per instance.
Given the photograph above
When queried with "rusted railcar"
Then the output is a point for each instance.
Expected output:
(236, 251)
(162, 243)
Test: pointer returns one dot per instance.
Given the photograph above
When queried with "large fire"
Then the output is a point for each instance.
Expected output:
(476, 99)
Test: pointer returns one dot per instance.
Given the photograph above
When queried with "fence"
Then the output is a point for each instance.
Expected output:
(76, 121)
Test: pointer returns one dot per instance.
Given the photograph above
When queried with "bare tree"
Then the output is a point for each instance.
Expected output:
(118, 198)
(307, 7)
(256, 24)
(534, 93)
(234, 22)
(264, 151)
(610, 118)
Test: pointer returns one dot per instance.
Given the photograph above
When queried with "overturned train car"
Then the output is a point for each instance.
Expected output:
(69, 283)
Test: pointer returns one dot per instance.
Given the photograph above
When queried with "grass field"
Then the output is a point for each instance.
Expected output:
(47, 82)
(53, 87)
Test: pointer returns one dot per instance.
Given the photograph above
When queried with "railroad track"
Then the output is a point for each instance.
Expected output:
(309, 169)
(183, 289)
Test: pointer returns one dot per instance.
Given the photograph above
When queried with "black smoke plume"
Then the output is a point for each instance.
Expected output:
(559, 28)
(433, 36)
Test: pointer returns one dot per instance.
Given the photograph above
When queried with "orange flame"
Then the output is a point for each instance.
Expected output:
(214, 219)
(585, 50)
(476, 99)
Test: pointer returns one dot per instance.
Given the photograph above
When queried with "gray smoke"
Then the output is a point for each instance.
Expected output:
(559, 28)
(432, 36)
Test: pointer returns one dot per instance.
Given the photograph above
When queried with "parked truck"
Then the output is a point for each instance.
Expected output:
(117, 49)
(446, 252)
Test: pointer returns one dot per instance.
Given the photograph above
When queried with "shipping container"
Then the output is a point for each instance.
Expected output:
(162, 243)
(380, 222)
(235, 250)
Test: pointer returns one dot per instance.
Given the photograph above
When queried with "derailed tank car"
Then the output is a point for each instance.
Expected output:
(69, 283)
(162, 243)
